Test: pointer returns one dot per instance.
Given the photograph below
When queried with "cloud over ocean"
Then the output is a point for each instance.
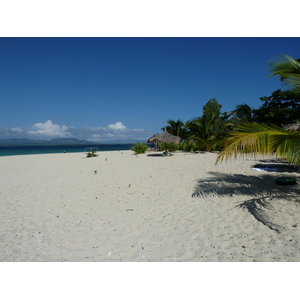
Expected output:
(49, 130)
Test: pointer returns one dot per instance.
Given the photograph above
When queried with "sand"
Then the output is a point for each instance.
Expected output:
(146, 208)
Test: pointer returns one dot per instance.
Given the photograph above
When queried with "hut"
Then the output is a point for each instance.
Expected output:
(292, 127)
(164, 137)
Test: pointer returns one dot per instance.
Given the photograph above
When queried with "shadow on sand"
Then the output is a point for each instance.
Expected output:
(260, 189)
(159, 155)
(155, 154)
(273, 164)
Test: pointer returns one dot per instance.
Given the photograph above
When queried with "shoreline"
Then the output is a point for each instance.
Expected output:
(54, 149)
(145, 208)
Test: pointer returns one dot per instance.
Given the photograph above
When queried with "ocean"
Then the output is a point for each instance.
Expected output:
(49, 149)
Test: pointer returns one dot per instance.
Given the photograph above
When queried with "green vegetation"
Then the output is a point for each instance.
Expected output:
(186, 146)
(170, 147)
(288, 69)
(281, 108)
(245, 130)
(139, 148)
(242, 113)
(177, 128)
(92, 153)
(208, 131)
(255, 138)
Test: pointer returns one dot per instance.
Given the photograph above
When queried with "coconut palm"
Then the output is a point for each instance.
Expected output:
(243, 112)
(287, 68)
(177, 128)
(253, 138)
(206, 132)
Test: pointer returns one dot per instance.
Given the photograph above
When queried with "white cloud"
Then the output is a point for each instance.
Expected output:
(117, 126)
(11, 132)
(16, 129)
(48, 130)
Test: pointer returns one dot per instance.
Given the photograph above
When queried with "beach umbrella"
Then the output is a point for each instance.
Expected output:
(292, 127)
(164, 137)
(153, 138)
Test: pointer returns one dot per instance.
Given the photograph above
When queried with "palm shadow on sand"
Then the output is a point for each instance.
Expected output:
(261, 190)
(281, 167)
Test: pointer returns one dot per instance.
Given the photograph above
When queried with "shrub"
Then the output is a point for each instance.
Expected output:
(171, 147)
(186, 146)
(91, 154)
(139, 148)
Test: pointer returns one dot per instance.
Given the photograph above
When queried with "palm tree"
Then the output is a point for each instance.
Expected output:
(254, 138)
(177, 128)
(287, 68)
(206, 131)
(243, 112)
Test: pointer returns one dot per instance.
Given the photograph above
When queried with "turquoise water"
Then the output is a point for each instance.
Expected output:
(27, 150)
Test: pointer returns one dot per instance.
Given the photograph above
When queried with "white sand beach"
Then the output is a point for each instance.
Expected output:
(146, 208)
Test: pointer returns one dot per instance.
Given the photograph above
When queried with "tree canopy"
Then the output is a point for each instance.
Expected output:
(245, 128)
(281, 108)
(255, 138)
(287, 68)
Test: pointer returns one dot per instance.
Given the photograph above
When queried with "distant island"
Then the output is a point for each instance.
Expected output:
(30, 142)
(56, 142)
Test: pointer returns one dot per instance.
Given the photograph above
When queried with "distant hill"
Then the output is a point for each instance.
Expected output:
(128, 141)
(58, 141)
(69, 141)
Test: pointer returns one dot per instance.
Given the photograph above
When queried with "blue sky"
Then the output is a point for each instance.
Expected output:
(106, 89)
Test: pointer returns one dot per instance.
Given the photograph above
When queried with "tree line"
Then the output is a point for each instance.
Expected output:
(215, 131)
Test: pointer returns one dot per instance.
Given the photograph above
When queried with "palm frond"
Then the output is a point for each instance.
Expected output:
(288, 148)
(252, 139)
(287, 68)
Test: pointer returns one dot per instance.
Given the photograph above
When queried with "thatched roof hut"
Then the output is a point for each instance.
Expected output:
(292, 127)
(165, 137)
